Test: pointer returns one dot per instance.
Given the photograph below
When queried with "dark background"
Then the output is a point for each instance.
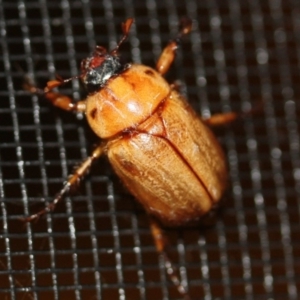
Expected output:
(97, 244)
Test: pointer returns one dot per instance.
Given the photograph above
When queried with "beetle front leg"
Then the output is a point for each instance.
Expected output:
(74, 179)
(59, 100)
(168, 55)
(161, 243)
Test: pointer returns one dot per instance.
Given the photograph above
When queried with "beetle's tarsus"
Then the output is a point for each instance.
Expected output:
(171, 271)
(79, 173)
(30, 87)
(186, 27)
(161, 243)
(51, 206)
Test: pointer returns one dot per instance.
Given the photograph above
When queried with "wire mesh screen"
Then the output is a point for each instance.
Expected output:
(97, 244)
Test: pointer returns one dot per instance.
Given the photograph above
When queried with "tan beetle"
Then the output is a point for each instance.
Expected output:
(163, 152)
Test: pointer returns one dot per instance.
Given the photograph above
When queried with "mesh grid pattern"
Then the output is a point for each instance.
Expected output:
(97, 244)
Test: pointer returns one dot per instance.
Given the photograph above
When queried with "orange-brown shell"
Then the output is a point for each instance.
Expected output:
(126, 100)
(171, 163)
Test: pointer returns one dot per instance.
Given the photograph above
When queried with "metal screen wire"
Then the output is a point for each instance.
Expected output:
(241, 54)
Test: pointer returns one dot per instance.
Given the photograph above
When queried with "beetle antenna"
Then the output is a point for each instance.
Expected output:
(51, 84)
(125, 28)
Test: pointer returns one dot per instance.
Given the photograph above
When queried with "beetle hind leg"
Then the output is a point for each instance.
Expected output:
(168, 55)
(161, 244)
(73, 180)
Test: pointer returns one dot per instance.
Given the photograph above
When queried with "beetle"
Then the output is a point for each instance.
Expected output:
(164, 153)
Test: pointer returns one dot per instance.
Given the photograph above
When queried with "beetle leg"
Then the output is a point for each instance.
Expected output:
(74, 179)
(168, 55)
(57, 99)
(221, 119)
(161, 243)
(176, 85)
(226, 118)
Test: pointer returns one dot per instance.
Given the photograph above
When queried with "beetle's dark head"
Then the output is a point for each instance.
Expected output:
(98, 68)
(101, 66)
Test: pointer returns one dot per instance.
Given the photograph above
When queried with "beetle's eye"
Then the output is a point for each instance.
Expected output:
(92, 80)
